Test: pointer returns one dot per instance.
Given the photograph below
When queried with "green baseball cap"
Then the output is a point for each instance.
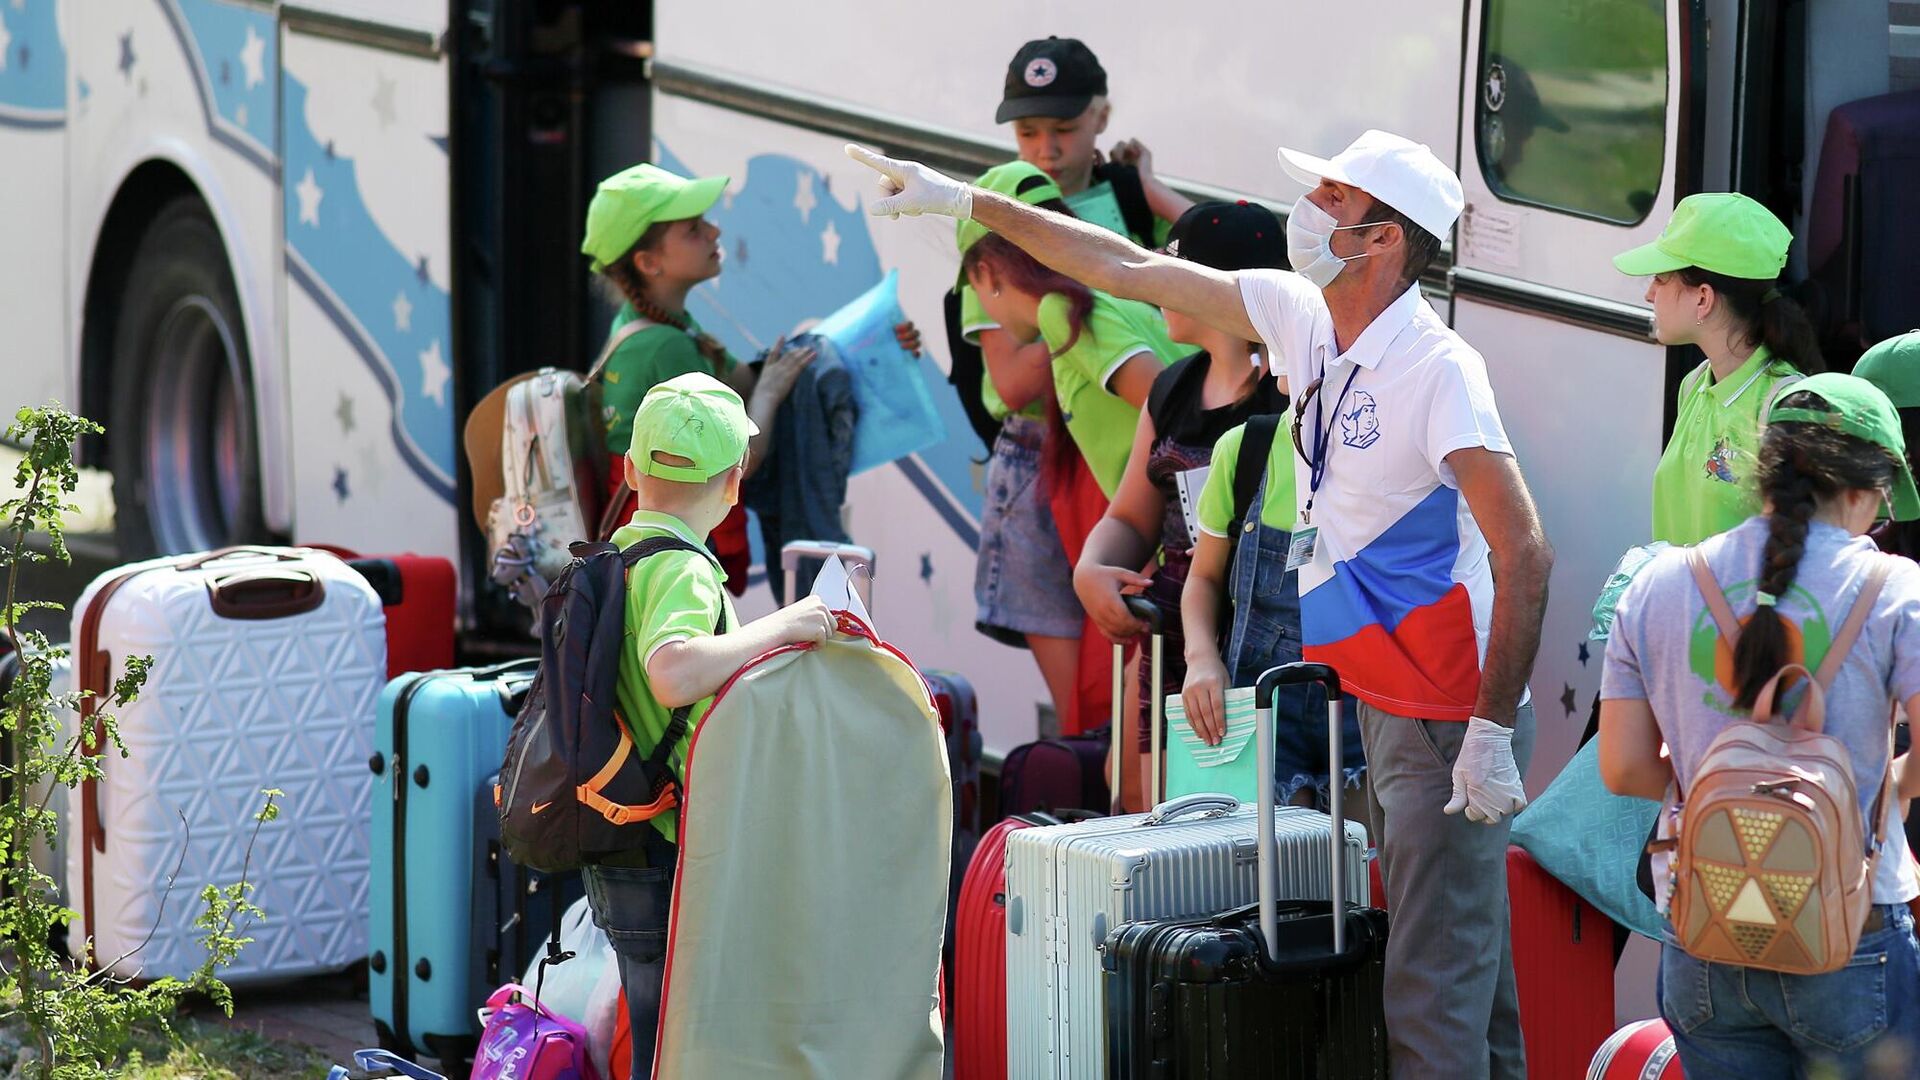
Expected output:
(692, 416)
(629, 202)
(1015, 179)
(1894, 367)
(1858, 408)
(1724, 232)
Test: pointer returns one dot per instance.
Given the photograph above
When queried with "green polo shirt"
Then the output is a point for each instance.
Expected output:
(642, 362)
(672, 596)
(1116, 330)
(1278, 509)
(1704, 484)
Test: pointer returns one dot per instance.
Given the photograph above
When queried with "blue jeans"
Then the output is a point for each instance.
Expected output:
(1735, 1023)
(631, 904)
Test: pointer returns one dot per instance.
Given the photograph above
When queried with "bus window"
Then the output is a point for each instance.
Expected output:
(1572, 105)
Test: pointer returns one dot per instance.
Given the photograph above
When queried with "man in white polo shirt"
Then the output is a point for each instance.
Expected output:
(1410, 500)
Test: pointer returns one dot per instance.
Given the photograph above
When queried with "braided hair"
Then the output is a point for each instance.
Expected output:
(632, 287)
(1801, 464)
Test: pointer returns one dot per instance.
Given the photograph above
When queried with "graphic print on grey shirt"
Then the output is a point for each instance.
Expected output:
(1666, 651)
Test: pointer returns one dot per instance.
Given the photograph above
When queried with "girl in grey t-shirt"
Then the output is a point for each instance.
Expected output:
(1830, 460)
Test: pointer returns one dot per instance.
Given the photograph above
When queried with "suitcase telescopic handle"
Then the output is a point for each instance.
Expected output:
(1270, 680)
(1148, 612)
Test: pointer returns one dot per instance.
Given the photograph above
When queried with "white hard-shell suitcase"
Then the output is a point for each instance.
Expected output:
(1068, 885)
(267, 667)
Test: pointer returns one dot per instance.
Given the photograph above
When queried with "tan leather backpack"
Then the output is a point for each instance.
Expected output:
(1770, 868)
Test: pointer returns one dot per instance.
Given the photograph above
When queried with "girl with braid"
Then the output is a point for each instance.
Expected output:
(1831, 463)
(651, 243)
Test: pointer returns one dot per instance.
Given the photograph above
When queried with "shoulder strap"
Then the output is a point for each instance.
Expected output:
(965, 371)
(676, 723)
(1164, 384)
(1856, 618)
(1250, 467)
(1716, 599)
(1132, 197)
(614, 341)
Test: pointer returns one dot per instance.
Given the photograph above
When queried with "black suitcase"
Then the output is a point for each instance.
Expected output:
(1298, 998)
(515, 909)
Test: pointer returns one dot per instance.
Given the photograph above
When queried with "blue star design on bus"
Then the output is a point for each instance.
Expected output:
(1567, 699)
(808, 262)
(33, 68)
(340, 483)
(926, 567)
(126, 55)
(1583, 654)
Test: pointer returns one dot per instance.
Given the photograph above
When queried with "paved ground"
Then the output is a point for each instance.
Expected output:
(327, 1013)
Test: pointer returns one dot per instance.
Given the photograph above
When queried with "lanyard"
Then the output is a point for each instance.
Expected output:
(1323, 441)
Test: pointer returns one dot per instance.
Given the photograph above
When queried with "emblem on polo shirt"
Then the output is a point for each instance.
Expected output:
(1360, 423)
(1720, 463)
(1041, 72)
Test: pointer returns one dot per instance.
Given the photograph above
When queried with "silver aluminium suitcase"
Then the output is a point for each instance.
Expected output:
(267, 666)
(1068, 885)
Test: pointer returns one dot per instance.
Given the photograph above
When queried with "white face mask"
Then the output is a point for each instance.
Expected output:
(1309, 242)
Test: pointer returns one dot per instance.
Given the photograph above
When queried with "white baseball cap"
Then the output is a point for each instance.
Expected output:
(1395, 170)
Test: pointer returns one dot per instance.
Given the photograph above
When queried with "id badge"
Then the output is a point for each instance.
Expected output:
(1306, 539)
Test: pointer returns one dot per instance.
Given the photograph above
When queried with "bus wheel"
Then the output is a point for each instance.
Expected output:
(184, 441)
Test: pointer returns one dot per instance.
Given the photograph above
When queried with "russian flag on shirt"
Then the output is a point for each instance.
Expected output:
(1395, 617)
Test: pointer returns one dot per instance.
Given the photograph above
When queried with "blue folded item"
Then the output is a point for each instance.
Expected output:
(376, 1063)
(1590, 839)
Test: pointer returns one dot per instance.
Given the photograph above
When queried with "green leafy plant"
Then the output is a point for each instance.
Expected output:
(81, 1019)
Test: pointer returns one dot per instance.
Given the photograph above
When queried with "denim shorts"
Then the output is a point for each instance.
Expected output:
(1022, 582)
(631, 904)
(1735, 1023)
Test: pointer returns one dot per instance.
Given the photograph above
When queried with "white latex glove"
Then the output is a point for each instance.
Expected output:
(910, 188)
(1486, 781)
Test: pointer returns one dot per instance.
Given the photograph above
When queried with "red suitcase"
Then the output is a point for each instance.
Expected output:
(1643, 1050)
(1562, 967)
(979, 1006)
(419, 593)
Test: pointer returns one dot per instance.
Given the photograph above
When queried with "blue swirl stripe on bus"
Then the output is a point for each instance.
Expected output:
(794, 255)
(379, 297)
(33, 66)
(236, 50)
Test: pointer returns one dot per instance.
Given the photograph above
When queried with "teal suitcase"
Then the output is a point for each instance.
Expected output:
(439, 735)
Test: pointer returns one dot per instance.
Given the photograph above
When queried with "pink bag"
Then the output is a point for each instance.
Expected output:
(522, 1041)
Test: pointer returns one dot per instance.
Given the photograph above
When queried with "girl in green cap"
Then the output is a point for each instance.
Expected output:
(1715, 270)
(651, 243)
(1831, 462)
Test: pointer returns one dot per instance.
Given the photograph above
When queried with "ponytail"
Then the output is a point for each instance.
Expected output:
(628, 285)
(1801, 465)
(1767, 316)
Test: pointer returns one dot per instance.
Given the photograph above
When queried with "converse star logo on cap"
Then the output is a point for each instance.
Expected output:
(1041, 72)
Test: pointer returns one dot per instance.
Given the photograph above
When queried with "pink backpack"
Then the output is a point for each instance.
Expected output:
(524, 1040)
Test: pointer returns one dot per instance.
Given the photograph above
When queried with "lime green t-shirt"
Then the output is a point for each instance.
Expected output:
(973, 319)
(1278, 509)
(642, 362)
(1100, 421)
(1704, 483)
(672, 596)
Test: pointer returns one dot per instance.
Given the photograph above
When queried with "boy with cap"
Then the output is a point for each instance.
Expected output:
(687, 458)
(1409, 496)
(1056, 98)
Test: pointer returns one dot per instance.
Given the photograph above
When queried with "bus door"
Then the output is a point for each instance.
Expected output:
(1574, 120)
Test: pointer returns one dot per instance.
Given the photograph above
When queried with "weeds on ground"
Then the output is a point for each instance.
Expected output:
(80, 1021)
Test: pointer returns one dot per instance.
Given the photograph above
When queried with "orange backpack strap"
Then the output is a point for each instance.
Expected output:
(1856, 619)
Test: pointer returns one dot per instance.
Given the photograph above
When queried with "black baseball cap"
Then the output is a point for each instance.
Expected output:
(1056, 77)
(1229, 236)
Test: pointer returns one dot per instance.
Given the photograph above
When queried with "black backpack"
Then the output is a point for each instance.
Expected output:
(1250, 467)
(1131, 194)
(573, 789)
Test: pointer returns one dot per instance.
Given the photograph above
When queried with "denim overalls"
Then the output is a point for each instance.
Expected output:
(1266, 632)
